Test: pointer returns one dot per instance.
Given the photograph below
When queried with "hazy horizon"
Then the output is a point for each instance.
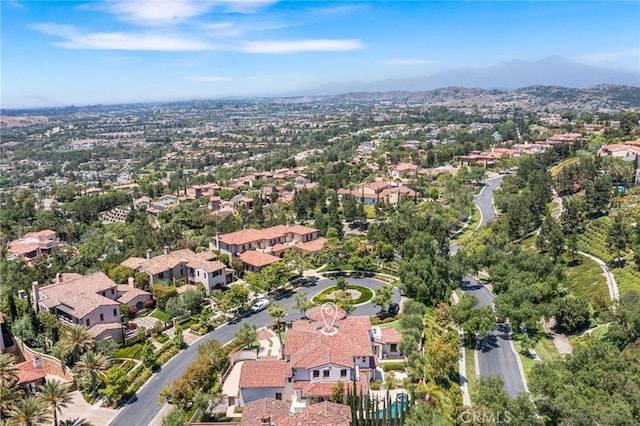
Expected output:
(110, 52)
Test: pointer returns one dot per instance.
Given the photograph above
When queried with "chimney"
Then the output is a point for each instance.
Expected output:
(132, 282)
(58, 277)
(37, 362)
(217, 240)
(35, 287)
(166, 250)
(265, 420)
(148, 253)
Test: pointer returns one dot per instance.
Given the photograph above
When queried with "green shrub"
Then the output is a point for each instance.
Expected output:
(375, 385)
(392, 366)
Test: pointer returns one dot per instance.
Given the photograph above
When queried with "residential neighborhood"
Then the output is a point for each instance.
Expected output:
(317, 263)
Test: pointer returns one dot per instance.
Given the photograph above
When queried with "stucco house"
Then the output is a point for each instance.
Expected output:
(33, 244)
(235, 243)
(315, 359)
(183, 265)
(93, 301)
(265, 378)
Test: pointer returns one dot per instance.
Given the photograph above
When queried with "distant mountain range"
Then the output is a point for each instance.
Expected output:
(551, 71)
(603, 97)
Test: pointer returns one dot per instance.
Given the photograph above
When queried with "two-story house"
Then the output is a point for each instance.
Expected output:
(33, 244)
(93, 301)
(314, 361)
(183, 265)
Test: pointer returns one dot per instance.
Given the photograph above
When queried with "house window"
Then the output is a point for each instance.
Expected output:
(115, 312)
(112, 291)
(101, 317)
(88, 322)
(205, 274)
(394, 347)
(343, 373)
(161, 275)
(316, 374)
(279, 396)
(325, 374)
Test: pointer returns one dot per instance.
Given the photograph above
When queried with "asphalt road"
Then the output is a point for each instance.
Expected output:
(484, 200)
(495, 354)
(144, 406)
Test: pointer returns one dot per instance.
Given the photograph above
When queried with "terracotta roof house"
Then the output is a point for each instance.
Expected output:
(626, 152)
(315, 358)
(264, 239)
(255, 260)
(31, 375)
(268, 411)
(264, 378)
(403, 169)
(184, 265)
(92, 300)
(34, 244)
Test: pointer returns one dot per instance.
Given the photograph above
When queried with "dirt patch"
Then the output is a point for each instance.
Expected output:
(355, 294)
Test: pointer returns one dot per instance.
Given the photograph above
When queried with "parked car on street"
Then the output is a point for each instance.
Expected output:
(259, 305)
(394, 308)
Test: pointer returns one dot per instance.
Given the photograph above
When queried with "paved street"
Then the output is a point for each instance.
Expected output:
(142, 409)
(495, 353)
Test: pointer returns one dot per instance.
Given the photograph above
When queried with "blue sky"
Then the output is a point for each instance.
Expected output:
(67, 52)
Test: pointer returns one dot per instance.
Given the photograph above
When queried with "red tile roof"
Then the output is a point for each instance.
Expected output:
(308, 347)
(28, 373)
(277, 412)
(257, 258)
(312, 246)
(264, 374)
(247, 236)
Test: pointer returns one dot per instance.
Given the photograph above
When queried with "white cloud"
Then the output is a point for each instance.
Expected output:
(408, 62)
(210, 78)
(157, 12)
(75, 39)
(296, 46)
(163, 12)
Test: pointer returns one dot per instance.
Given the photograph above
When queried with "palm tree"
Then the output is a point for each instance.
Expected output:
(8, 369)
(277, 312)
(77, 340)
(92, 363)
(9, 393)
(56, 393)
(30, 411)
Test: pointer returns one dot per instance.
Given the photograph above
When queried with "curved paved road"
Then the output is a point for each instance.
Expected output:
(495, 354)
(144, 407)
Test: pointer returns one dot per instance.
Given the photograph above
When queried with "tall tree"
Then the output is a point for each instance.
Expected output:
(93, 363)
(77, 340)
(57, 395)
(383, 297)
(618, 236)
(246, 335)
(30, 411)
(277, 312)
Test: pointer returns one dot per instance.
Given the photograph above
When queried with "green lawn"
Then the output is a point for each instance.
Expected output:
(161, 315)
(586, 281)
(546, 350)
(525, 358)
(472, 379)
(129, 351)
(628, 279)
(470, 229)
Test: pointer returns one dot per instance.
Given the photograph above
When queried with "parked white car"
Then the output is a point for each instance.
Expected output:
(259, 305)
